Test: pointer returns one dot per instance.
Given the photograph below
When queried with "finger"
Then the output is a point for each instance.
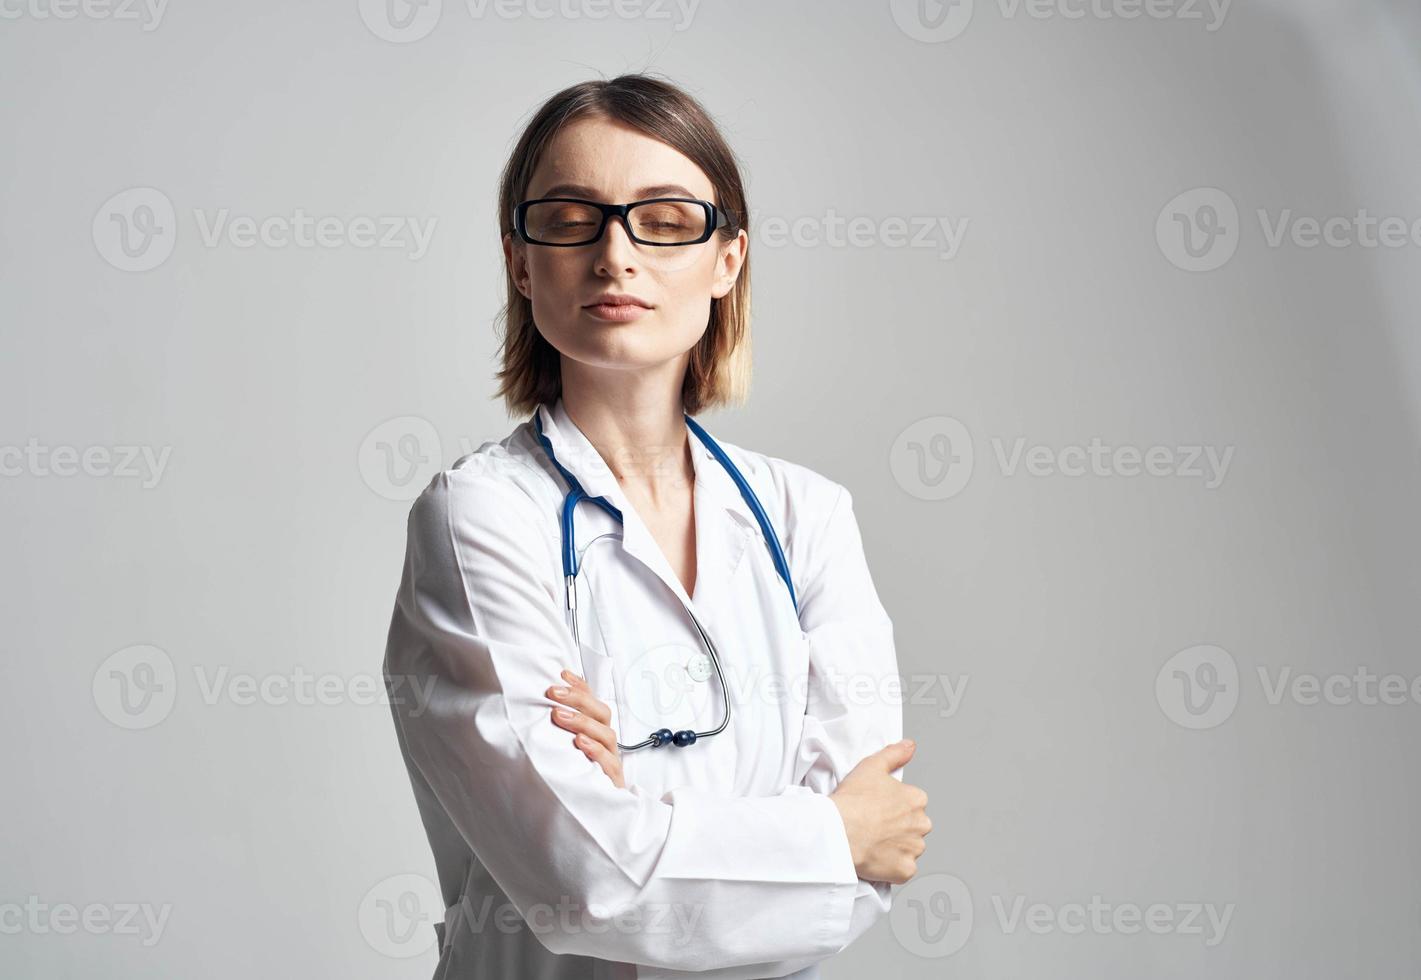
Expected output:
(894, 757)
(582, 699)
(611, 764)
(574, 679)
(587, 747)
(594, 751)
(578, 723)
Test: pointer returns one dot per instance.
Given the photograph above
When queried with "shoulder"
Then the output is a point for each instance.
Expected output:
(492, 490)
(810, 512)
(796, 484)
(478, 544)
(800, 501)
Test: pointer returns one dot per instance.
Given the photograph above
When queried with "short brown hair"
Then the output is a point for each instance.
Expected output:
(719, 369)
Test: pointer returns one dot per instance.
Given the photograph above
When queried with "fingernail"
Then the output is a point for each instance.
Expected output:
(563, 713)
(908, 742)
(560, 692)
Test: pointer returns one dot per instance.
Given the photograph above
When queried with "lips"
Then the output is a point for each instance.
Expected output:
(618, 299)
(617, 312)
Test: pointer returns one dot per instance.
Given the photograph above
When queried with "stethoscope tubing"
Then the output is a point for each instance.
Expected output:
(576, 494)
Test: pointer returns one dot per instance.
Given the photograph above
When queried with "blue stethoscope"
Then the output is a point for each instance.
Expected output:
(576, 494)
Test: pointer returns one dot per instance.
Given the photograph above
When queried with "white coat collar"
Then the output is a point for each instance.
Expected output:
(725, 525)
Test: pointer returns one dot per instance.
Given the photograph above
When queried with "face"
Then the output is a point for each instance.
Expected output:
(605, 161)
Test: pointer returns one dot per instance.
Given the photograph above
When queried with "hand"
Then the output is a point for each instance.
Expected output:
(885, 819)
(589, 722)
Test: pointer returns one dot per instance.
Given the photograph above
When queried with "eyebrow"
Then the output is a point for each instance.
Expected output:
(583, 191)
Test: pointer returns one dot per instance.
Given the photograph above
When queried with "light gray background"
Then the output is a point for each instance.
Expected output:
(277, 834)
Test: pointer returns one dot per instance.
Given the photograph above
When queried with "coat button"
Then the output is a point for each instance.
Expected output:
(699, 667)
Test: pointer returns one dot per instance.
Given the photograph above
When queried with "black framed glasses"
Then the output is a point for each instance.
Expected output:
(563, 222)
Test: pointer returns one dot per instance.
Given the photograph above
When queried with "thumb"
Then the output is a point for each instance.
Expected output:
(896, 755)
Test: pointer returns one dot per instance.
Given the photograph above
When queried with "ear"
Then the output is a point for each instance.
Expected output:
(730, 259)
(515, 255)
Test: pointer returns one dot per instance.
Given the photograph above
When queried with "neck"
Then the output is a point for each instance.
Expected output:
(639, 429)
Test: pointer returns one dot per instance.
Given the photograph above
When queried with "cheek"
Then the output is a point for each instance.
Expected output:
(686, 291)
(551, 272)
(553, 286)
(684, 301)
(682, 321)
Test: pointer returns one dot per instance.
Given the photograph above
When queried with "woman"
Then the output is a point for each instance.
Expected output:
(740, 845)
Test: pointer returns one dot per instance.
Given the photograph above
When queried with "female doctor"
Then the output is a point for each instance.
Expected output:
(661, 727)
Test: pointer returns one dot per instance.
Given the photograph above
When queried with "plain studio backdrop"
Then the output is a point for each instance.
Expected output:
(1105, 312)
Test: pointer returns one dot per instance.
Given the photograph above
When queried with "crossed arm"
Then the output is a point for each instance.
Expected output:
(480, 617)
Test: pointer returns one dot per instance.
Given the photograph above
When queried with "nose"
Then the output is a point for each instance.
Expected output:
(615, 249)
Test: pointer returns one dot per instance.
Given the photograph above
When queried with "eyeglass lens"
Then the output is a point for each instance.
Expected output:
(660, 222)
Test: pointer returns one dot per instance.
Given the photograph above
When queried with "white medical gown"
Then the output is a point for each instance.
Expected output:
(725, 859)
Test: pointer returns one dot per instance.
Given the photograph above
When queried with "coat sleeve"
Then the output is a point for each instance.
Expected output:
(855, 704)
(479, 625)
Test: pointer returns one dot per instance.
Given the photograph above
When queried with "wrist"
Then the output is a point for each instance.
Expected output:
(849, 823)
